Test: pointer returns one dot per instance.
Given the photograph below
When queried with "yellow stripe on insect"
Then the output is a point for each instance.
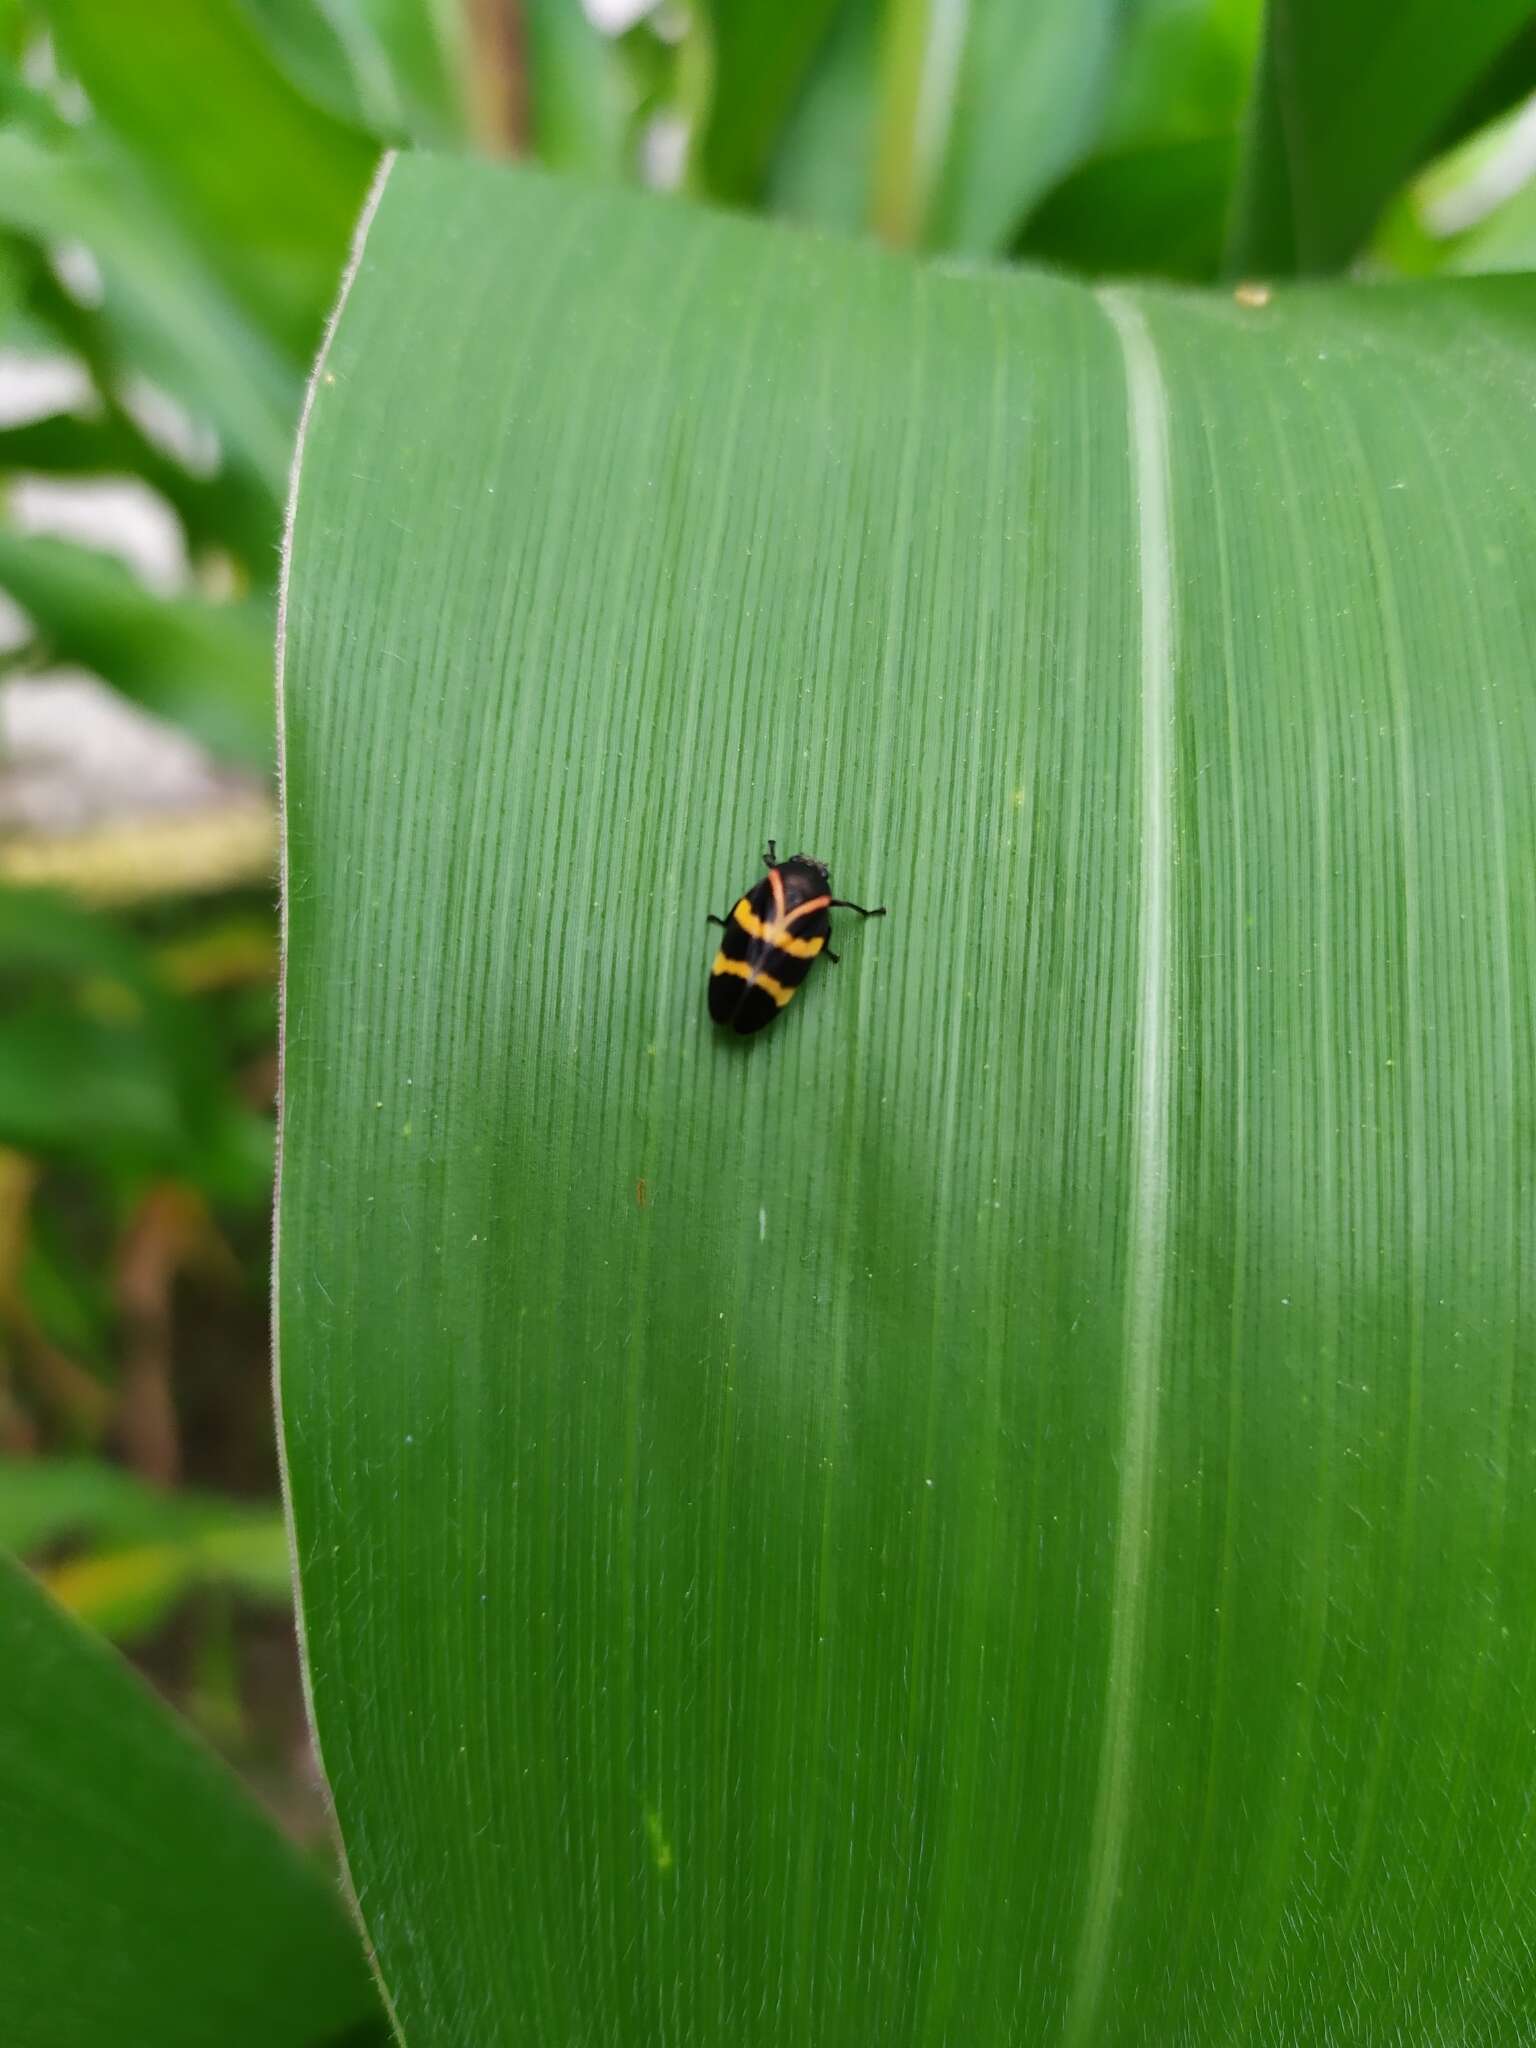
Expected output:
(775, 934)
(743, 970)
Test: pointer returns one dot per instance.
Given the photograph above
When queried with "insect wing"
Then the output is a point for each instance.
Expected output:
(741, 957)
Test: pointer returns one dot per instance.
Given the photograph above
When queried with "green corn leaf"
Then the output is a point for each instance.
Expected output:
(1506, 240)
(142, 1897)
(1002, 1510)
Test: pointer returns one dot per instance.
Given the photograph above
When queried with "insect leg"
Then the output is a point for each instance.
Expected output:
(838, 903)
(835, 958)
(710, 918)
(770, 858)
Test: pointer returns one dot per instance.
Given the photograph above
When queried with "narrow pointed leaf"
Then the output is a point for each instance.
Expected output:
(1000, 1510)
(142, 1896)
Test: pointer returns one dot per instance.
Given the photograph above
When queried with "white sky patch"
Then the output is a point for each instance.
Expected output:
(616, 17)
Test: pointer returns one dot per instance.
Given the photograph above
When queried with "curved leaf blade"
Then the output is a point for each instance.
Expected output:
(792, 1535)
(144, 1898)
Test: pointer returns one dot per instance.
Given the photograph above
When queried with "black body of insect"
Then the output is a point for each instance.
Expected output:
(772, 938)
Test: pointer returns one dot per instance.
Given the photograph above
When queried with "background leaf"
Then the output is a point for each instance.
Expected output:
(147, 1547)
(579, 103)
(981, 109)
(759, 54)
(142, 1897)
(128, 1592)
(821, 168)
(99, 444)
(1183, 71)
(102, 1063)
(1154, 211)
(205, 665)
(169, 317)
(795, 1535)
(1155, 195)
(390, 66)
(942, 126)
(1347, 102)
(48, 1501)
(1472, 210)
(267, 181)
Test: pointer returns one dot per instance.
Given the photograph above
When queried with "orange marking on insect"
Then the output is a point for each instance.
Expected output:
(776, 935)
(745, 971)
(776, 884)
(805, 909)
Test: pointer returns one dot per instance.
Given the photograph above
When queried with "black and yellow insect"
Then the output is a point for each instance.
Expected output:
(772, 937)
